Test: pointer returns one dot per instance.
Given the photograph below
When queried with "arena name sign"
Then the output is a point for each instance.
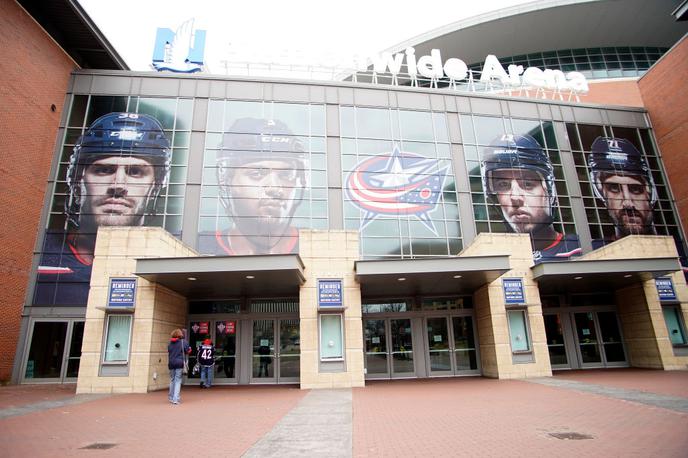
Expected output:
(492, 78)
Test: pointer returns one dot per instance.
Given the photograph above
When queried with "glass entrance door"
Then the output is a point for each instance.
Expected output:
(226, 333)
(276, 351)
(451, 345)
(289, 355)
(586, 334)
(554, 330)
(438, 346)
(263, 351)
(389, 348)
(402, 347)
(599, 339)
(612, 345)
(375, 338)
(55, 352)
(465, 353)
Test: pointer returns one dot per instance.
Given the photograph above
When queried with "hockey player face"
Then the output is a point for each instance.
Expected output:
(629, 204)
(115, 191)
(522, 195)
(262, 196)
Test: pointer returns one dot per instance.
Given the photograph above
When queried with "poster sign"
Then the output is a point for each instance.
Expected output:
(122, 292)
(225, 327)
(203, 327)
(513, 291)
(665, 289)
(330, 293)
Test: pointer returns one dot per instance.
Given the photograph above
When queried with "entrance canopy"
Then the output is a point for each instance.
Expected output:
(226, 276)
(582, 276)
(413, 277)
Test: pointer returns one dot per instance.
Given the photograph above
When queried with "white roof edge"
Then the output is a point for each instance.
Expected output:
(483, 18)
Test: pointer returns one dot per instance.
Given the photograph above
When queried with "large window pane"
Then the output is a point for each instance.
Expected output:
(47, 348)
(75, 349)
(117, 340)
(677, 333)
(331, 338)
(518, 330)
(263, 348)
(375, 346)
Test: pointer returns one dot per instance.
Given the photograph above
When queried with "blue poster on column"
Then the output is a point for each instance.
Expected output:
(122, 292)
(330, 293)
(665, 289)
(513, 291)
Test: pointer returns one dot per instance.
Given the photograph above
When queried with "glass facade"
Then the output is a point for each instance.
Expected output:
(517, 182)
(123, 162)
(622, 183)
(412, 178)
(399, 184)
(264, 176)
(594, 63)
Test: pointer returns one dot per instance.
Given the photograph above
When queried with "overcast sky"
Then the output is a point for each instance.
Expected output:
(277, 30)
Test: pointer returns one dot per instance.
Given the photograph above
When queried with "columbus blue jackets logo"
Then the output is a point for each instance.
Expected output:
(398, 184)
(180, 51)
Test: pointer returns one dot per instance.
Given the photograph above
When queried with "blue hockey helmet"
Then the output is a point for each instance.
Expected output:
(118, 134)
(617, 156)
(251, 140)
(520, 152)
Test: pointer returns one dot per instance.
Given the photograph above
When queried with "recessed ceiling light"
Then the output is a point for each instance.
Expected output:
(250, 277)
(627, 276)
(401, 279)
(457, 276)
(191, 278)
(577, 278)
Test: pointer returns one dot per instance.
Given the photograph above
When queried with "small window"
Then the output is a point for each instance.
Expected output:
(518, 330)
(674, 323)
(331, 337)
(117, 339)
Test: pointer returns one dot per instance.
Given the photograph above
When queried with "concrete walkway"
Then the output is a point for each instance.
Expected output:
(652, 399)
(320, 425)
(45, 405)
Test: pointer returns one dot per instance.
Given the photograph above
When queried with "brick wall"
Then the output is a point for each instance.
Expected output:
(35, 72)
(613, 92)
(665, 94)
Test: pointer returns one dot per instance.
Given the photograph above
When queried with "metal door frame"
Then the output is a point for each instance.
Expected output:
(570, 346)
(449, 319)
(386, 318)
(212, 318)
(65, 352)
(276, 379)
(571, 341)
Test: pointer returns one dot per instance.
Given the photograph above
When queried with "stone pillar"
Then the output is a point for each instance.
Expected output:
(496, 358)
(158, 311)
(642, 322)
(330, 254)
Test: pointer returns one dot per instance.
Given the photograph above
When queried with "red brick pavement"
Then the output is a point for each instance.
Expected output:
(670, 383)
(481, 417)
(222, 421)
(436, 417)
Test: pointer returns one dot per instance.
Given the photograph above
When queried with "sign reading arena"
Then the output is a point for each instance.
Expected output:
(456, 70)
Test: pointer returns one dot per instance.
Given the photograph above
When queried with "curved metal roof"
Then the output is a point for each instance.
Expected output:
(552, 25)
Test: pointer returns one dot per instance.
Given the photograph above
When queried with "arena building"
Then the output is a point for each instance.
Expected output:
(328, 233)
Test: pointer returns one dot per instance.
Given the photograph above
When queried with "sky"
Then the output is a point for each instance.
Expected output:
(310, 32)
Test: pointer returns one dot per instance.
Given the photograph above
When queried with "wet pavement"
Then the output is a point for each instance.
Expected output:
(622, 412)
